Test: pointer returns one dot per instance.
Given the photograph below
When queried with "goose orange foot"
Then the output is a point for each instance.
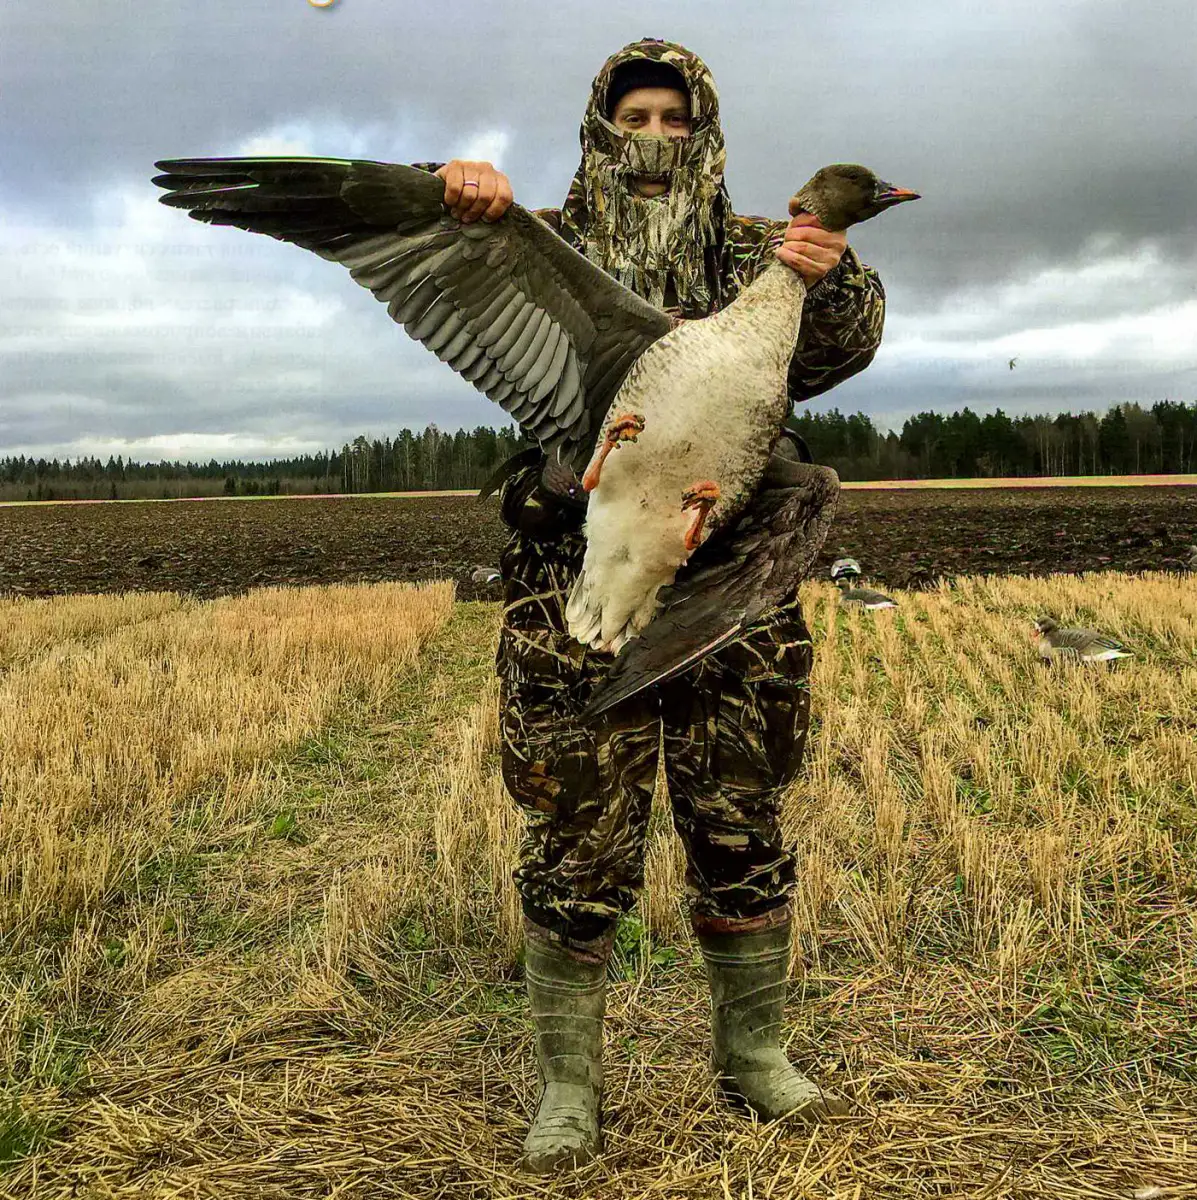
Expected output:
(625, 428)
(702, 496)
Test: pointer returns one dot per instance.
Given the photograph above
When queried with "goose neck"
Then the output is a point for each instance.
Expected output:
(772, 302)
(777, 287)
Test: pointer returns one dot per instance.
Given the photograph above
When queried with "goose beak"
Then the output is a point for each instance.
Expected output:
(887, 194)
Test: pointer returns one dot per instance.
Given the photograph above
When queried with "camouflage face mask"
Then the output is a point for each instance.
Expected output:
(644, 242)
(645, 153)
(648, 155)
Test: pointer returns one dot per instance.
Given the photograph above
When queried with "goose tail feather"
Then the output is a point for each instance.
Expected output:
(589, 614)
(584, 610)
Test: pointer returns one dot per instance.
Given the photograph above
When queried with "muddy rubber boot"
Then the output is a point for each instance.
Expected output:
(567, 995)
(747, 970)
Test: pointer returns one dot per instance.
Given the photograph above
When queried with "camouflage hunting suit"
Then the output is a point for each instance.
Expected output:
(734, 728)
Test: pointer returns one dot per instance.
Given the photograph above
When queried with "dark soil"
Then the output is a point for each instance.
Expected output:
(902, 538)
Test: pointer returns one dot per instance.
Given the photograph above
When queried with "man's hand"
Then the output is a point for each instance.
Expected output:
(810, 249)
(475, 189)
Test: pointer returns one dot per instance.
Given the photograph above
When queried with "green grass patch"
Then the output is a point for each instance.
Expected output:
(22, 1132)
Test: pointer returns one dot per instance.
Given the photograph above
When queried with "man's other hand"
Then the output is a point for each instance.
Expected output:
(475, 189)
(810, 249)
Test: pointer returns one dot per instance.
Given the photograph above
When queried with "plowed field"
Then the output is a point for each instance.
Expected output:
(902, 538)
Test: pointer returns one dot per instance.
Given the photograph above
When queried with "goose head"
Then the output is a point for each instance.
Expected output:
(845, 194)
(1044, 625)
(844, 567)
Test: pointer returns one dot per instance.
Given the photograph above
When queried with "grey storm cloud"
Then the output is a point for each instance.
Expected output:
(1051, 142)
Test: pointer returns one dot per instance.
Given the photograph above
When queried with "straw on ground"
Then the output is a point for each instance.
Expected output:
(260, 937)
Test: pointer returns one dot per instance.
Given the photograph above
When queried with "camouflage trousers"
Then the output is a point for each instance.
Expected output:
(734, 731)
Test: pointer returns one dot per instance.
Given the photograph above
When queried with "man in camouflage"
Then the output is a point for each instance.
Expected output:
(654, 213)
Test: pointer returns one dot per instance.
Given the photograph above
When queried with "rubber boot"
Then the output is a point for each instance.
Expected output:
(747, 968)
(567, 995)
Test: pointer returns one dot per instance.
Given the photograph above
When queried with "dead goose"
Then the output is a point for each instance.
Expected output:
(703, 411)
(1085, 645)
(582, 363)
(863, 597)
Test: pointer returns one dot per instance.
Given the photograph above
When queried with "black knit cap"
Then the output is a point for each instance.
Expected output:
(642, 72)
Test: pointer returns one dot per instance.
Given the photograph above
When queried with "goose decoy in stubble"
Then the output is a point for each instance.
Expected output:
(485, 575)
(1056, 643)
(582, 364)
(860, 597)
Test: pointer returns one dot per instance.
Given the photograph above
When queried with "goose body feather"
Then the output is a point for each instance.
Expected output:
(1086, 645)
(712, 394)
(866, 598)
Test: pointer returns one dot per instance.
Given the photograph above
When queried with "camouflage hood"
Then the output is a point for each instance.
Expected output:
(642, 241)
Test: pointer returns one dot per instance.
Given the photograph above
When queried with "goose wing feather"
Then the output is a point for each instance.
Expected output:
(730, 583)
(1084, 641)
(509, 305)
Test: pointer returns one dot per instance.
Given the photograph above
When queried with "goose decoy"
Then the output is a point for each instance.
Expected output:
(845, 567)
(485, 575)
(583, 364)
(1086, 645)
(863, 597)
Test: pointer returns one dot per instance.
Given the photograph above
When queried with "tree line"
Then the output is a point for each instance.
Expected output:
(1126, 440)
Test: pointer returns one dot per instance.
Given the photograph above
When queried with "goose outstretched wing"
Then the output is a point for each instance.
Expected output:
(730, 582)
(508, 304)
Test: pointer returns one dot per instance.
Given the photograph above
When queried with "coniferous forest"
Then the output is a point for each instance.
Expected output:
(1126, 440)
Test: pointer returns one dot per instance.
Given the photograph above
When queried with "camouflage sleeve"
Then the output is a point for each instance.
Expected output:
(841, 328)
(841, 322)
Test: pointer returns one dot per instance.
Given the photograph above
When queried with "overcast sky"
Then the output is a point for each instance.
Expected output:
(1053, 143)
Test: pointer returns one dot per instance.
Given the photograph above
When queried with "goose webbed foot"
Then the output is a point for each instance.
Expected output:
(625, 428)
(703, 497)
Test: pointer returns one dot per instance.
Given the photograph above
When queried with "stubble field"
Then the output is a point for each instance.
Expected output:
(258, 935)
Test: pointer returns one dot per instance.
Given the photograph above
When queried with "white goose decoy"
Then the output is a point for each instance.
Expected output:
(862, 597)
(1084, 645)
(485, 575)
(582, 363)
